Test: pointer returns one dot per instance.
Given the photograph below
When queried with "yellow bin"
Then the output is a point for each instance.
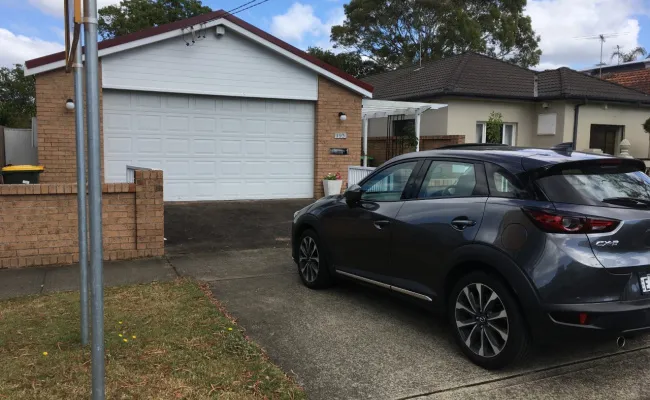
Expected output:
(17, 174)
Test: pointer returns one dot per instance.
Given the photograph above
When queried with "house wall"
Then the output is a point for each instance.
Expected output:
(631, 117)
(554, 107)
(332, 99)
(465, 113)
(39, 222)
(56, 126)
(230, 65)
(434, 123)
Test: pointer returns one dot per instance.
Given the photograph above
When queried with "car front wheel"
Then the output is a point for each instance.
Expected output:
(312, 262)
(486, 321)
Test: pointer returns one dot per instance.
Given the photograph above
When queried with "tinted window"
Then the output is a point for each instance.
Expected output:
(448, 179)
(388, 184)
(591, 187)
(502, 183)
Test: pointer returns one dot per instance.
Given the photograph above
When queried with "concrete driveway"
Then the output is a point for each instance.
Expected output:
(353, 342)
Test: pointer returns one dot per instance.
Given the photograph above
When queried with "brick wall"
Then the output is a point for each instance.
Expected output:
(377, 145)
(56, 128)
(333, 99)
(39, 222)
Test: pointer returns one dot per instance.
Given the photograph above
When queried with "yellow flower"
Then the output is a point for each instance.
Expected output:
(133, 336)
(125, 340)
(45, 353)
(120, 335)
(230, 329)
(120, 322)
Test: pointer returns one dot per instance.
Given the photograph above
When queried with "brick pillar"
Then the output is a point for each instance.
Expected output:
(333, 99)
(149, 213)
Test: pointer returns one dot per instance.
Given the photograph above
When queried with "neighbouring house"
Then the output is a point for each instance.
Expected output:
(539, 109)
(633, 74)
(226, 110)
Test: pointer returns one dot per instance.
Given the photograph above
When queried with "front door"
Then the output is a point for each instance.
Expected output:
(445, 215)
(359, 235)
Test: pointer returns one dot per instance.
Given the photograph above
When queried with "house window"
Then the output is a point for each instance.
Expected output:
(404, 127)
(507, 135)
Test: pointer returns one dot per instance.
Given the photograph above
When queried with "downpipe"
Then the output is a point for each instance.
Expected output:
(620, 342)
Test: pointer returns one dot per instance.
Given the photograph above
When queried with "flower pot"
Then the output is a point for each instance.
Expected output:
(332, 187)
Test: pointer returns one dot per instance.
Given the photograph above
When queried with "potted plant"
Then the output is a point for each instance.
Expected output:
(332, 184)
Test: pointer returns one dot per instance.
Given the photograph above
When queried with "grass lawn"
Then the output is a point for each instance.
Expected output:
(163, 341)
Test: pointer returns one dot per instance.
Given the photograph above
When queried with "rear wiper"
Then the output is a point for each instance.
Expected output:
(628, 201)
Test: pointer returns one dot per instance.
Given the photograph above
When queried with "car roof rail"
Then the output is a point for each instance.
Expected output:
(470, 146)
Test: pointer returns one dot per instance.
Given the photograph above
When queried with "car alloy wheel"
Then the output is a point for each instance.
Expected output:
(309, 259)
(482, 320)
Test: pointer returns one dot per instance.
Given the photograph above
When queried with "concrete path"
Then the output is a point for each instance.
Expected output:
(353, 342)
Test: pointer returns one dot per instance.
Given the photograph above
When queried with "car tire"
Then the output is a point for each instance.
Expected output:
(489, 329)
(313, 267)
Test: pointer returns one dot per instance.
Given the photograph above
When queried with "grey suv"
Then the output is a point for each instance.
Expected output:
(513, 245)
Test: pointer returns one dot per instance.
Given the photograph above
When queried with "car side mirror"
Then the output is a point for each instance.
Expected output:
(353, 195)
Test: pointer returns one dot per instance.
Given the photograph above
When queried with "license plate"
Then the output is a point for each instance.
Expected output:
(645, 284)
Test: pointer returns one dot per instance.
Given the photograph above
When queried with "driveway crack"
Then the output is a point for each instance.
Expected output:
(522, 374)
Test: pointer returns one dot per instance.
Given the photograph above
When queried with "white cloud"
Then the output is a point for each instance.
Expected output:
(55, 7)
(563, 24)
(18, 48)
(300, 23)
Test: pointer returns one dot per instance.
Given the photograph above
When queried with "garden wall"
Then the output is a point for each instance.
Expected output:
(39, 222)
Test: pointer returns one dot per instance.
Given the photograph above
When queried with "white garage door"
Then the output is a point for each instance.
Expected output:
(212, 148)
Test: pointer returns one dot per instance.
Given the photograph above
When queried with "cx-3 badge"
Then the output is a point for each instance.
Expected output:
(607, 243)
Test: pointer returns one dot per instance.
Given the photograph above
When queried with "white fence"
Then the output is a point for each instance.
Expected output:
(356, 174)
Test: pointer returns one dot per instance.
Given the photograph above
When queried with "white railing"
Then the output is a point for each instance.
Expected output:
(130, 172)
(356, 174)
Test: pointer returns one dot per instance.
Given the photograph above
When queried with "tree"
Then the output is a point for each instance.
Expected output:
(17, 97)
(350, 62)
(630, 55)
(494, 128)
(391, 32)
(134, 15)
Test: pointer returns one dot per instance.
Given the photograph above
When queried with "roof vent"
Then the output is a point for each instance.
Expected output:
(535, 85)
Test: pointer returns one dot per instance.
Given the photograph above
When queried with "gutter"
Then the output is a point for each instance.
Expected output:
(576, 115)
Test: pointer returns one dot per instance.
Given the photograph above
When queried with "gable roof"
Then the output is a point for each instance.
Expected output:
(220, 17)
(476, 75)
(638, 80)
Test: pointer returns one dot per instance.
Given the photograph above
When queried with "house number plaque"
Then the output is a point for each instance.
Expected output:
(341, 135)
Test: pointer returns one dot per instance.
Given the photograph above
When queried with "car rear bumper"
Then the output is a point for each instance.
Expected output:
(608, 319)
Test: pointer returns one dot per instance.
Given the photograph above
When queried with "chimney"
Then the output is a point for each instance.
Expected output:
(535, 83)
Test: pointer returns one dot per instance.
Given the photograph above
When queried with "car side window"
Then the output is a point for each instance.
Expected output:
(388, 184)
(448, 179)
(502, 183)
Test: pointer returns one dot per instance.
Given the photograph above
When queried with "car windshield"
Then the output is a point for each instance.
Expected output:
(596, 187)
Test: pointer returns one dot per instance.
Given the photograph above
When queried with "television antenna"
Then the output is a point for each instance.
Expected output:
(603, 38)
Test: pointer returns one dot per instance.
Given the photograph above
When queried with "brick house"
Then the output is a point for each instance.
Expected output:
(226, 110)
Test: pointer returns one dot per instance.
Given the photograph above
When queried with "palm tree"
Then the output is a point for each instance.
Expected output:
(630, 55)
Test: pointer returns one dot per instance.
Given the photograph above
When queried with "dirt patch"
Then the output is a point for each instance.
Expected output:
(228, 225)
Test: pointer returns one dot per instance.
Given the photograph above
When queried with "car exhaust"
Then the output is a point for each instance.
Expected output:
(620, 342)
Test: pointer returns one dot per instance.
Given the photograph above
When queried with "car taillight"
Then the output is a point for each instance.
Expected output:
(570, 223)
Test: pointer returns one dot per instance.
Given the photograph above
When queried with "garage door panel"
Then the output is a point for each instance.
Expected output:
(177, 124)
(177, 147)
(212, 148)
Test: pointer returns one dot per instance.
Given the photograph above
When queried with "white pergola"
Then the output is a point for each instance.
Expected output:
(384, 108)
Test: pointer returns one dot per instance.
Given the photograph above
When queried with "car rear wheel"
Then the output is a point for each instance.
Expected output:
(312, 262)
(486, 321)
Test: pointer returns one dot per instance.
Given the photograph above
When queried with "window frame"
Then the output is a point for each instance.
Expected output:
(520, 189)
(503, 131)
(481, 188)
(419, 162)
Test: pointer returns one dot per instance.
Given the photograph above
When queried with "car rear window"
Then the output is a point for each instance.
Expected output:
(590, 186)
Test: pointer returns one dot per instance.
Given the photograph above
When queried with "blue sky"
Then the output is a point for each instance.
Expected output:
(32, 28)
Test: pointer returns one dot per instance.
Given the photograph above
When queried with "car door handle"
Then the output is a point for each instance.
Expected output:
(381, 224)
(462, 223)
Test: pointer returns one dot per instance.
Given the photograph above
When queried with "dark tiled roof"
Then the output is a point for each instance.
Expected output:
(638, 80)
(475, 75)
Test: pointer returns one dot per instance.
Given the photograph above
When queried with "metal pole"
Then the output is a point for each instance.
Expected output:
(95, 198)
(81, 189)
(418, 120)
(365, 141)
